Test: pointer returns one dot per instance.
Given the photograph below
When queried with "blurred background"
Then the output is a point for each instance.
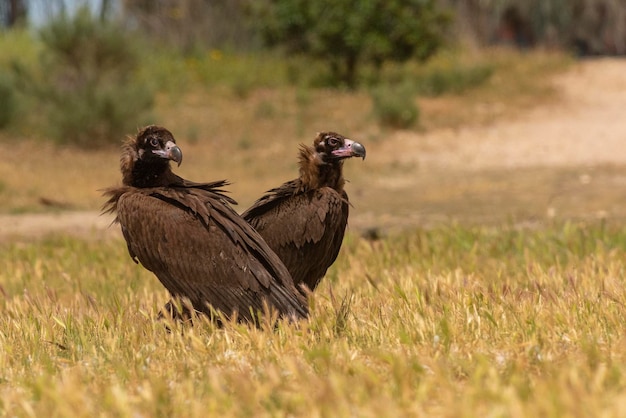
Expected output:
(473, 111)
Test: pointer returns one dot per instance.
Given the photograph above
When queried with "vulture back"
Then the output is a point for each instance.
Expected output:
(305, 229)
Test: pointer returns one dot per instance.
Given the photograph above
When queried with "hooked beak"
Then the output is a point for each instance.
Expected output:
(350, 149)
(170, 152)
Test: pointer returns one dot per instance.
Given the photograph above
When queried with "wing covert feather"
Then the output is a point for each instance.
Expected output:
(201, 253)
(305, 229)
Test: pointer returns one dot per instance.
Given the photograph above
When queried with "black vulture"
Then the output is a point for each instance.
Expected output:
(304, 220)
(189, 236)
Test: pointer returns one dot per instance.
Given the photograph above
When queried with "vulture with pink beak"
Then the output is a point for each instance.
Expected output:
(304, 220)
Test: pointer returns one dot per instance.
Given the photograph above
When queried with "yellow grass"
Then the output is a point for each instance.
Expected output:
(449, 322)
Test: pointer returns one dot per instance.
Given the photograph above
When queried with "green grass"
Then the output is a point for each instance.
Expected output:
(17, 44)
(453, 321)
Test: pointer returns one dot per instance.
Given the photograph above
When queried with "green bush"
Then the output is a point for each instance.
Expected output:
(8, 104)
(452, 80)
(88, 82)
(349, 33)
(449, 72)
(394, 106)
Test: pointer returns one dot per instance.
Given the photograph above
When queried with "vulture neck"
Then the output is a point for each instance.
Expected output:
(316, 173)
(139, 173)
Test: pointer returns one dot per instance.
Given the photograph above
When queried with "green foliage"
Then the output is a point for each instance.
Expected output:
(395, 106)
(349, 33)
(446, 72)
(457, 79)
(87, 81)
(16, 46)
(241, 73)
(162, 69)
(394, 102)
(8, 104)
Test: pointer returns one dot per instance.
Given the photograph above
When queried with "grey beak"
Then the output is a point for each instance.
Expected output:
(358, 150)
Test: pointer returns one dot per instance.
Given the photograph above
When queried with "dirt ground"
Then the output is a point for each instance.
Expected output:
(564, 160)
(585, 128)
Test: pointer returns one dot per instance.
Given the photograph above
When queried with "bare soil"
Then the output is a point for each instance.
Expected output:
(565, 159)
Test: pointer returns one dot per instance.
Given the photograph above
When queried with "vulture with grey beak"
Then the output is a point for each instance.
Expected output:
(304, 220)
(188, 235)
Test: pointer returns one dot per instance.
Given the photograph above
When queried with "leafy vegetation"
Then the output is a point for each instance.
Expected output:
(437, 81)
(453, 321)
(8, 104)
(16, 45)
(57, 97)
(394, 101)
(348, 34)
(86, 81)
(395, 106)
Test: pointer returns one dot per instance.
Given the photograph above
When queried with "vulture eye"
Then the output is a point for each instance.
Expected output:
(332, 141)
(154, 142)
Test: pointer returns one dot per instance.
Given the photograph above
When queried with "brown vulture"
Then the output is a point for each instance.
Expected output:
(304, 220)
(188, 235)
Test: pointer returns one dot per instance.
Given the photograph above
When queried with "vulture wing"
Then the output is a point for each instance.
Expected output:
(201, 249)
(305, 228)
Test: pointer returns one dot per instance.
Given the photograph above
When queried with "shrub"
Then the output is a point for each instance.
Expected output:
(89, 85)
(8, 103)
(452, 80)
(349, 33)
(394, 106)
(449, 72)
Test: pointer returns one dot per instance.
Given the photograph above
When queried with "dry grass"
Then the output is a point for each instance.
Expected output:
(450, 322)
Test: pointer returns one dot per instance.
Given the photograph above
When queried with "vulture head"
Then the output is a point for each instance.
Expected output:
(146, 157)
(332, 146)
(321, 165)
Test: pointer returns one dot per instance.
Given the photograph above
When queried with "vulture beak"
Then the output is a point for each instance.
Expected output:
(350, 149)
(170, 152)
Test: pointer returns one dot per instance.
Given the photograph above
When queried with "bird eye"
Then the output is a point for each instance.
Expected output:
(332, 141)
(154, 142)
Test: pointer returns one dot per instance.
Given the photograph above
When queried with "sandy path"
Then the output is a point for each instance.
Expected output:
(587, 127)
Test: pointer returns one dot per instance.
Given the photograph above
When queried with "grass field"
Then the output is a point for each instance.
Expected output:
(482, 300)
(453, 321)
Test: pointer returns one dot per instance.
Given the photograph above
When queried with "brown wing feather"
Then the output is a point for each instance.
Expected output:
(201, 249)
(305, 228)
